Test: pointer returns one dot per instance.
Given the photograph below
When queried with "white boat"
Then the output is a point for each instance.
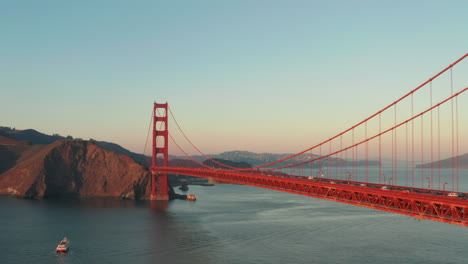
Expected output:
(63, 245)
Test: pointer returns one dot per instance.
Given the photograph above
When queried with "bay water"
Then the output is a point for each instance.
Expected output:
(227, 224)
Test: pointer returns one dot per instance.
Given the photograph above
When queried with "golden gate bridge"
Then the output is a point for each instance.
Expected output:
(392, 160)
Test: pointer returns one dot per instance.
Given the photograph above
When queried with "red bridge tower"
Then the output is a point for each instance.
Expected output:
(159, 187)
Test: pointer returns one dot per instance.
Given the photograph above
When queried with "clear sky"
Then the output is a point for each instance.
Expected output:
(263, 76)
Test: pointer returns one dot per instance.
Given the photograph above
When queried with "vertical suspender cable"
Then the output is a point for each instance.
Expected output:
(412, 142)
(422, 151)
(347, 169)
(352, 156)
(380, 148)
(367, 155)
(438, 143)
(321, 162)
(453, 137)
(407, 158)
(457, 145)
(393, 154)
(311, 165)
(147, 134)
(335, 162)
(395, 177)
(432, 141)
(328, 161)
(341, 153)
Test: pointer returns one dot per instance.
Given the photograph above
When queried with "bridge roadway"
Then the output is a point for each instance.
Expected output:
(415, 202)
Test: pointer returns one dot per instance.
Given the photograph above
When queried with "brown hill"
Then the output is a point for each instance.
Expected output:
(73, 168)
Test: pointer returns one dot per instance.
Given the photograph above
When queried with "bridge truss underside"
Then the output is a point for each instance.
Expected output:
(451, 210)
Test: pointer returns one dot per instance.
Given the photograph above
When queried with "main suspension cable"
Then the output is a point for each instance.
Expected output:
(187, 155)
(334, 137)
(189, 141)
(375, 136)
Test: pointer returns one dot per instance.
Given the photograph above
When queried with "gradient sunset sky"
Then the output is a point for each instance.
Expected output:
(263, 76)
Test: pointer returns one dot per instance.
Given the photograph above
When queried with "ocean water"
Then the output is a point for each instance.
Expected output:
(227, 224)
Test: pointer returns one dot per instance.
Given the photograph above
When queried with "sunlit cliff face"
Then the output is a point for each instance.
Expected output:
(75, 169)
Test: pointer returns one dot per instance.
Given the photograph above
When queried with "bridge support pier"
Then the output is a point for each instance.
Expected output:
(159, 187)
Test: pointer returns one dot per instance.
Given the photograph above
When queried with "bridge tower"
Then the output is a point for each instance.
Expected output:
(159, 187)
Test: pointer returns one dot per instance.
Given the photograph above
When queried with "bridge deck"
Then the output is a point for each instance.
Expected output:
(412, 202)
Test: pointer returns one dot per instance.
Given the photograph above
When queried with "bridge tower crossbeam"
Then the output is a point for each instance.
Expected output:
(159, 186)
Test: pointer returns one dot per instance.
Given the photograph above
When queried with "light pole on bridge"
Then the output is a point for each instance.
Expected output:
(384, 178)
(445, 183)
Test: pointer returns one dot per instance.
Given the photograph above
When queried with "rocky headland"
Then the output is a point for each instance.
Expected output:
(69, 168)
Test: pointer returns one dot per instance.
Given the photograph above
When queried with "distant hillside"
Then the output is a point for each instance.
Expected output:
(30, 135)
(12, 142)
(10, 151)
(35, 138)
(141, 159)
(448, 163)
(235, 164)
(180, 163)
(256, 159)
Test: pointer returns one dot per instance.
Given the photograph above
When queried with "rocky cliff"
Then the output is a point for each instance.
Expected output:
(73, 168)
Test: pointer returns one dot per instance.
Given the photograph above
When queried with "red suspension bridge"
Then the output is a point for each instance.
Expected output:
(405, 158)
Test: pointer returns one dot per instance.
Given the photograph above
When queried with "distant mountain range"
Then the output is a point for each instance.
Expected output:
(254, 159)
(33, 137)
